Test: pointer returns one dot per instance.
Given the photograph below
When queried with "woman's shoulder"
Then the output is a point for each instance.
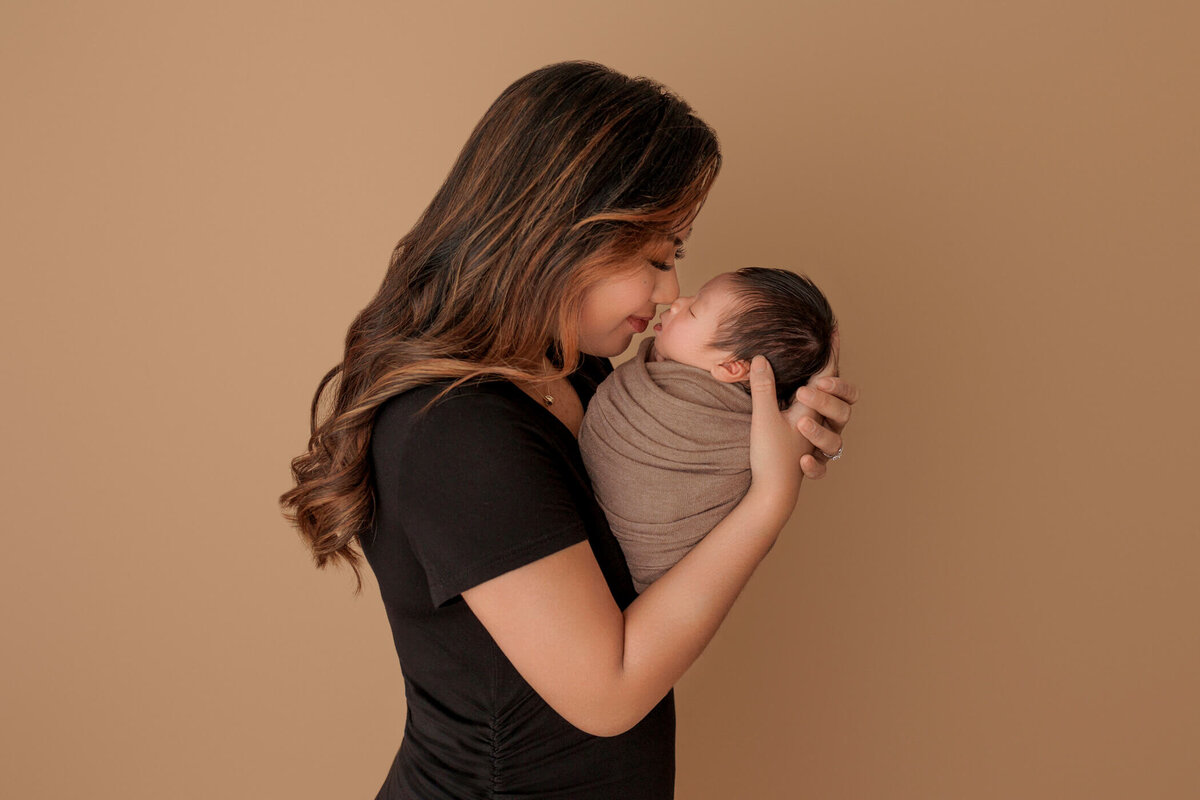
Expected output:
(471, 410)
(478, 403)
(485, 439)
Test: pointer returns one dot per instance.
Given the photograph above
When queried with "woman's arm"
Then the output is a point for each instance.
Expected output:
(602, 669)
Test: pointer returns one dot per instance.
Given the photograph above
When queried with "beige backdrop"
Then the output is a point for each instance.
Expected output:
(994, 595)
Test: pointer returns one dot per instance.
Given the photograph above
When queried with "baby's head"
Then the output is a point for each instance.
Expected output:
(738, 315)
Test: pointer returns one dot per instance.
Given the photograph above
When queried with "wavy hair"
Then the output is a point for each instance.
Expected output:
(572, 170)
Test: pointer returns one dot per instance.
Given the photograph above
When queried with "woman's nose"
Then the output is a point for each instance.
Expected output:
(666, 289)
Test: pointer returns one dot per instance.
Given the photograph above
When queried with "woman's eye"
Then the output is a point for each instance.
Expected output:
(664, 266)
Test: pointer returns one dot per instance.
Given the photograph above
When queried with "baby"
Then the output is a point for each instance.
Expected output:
(666, 438)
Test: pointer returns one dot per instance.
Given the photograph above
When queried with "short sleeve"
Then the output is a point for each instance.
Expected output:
(479, 487)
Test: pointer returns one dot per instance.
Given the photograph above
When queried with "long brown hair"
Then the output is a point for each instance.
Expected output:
(574, 168)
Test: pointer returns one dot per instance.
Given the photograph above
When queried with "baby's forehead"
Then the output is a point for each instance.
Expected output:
(719, 290)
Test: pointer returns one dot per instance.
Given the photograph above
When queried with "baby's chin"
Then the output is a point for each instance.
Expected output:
(656, 354)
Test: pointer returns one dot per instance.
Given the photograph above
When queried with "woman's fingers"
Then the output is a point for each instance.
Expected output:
(834, 409)
(813, 468)
(830, 399)
(839, 387)
(826, 441)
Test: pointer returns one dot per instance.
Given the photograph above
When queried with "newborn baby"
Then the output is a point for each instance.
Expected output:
(666, 438)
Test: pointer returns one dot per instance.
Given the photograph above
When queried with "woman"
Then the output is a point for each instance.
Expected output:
(531, 666)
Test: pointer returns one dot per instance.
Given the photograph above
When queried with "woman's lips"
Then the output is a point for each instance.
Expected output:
(658, 326)
(638, 323)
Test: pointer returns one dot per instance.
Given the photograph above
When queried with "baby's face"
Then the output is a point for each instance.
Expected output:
(690, 324)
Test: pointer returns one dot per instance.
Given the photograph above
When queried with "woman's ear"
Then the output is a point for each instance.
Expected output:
(731, 371)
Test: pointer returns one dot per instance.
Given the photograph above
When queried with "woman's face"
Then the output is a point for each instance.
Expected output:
(619, 306)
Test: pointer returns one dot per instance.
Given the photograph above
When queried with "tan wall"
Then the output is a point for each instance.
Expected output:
(995, 593)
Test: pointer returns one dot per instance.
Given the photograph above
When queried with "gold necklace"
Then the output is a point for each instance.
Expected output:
(548, 399)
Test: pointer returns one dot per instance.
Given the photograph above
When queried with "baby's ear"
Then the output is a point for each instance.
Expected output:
(731, 371)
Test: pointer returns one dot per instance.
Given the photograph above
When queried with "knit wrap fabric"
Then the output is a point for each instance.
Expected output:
(667, 447)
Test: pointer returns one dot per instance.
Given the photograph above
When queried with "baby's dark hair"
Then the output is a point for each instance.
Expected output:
(782, 316)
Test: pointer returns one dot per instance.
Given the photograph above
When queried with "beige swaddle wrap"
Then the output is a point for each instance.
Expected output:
(667, 447)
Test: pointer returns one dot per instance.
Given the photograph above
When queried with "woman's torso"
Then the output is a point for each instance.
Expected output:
(498, 477)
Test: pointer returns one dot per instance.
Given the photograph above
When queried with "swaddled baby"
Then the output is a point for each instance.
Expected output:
(666, 438)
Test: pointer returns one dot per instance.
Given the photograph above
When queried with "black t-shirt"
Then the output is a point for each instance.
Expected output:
(484, 482)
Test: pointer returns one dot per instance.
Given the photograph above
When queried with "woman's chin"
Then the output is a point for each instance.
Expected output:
(608, 348)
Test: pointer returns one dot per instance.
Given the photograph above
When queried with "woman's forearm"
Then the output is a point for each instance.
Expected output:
(671, 623)
(603, 669)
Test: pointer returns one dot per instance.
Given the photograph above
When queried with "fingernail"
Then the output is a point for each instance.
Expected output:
(759, 364)
(825, 383)
(804, 395)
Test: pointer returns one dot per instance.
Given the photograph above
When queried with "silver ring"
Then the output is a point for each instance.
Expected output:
(836, 455)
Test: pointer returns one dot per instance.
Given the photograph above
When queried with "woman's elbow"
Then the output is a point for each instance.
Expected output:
(606, 719)
(604, 726)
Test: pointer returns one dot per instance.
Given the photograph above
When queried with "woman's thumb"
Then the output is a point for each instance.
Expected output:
(762, 385)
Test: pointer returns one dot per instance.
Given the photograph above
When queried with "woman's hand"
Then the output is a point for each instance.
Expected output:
(821, 412)
(776, 448)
